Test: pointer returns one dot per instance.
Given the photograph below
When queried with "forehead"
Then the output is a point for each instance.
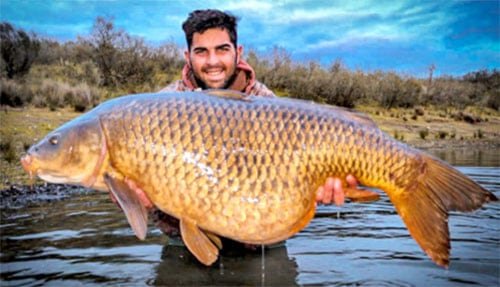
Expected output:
(211, 38)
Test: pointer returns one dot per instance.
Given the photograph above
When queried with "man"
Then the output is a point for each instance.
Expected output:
(214, 61)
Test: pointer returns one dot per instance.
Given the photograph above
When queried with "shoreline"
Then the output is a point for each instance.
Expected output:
(454, 144)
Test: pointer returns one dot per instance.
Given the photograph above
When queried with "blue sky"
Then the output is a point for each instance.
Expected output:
(402, 36)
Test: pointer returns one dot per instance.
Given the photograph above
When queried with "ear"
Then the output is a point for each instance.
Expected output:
(239, 53)
(187, 58)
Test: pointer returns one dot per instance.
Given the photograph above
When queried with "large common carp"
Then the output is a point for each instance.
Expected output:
(246, 167)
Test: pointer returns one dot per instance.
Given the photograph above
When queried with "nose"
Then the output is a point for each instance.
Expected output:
(213, 59)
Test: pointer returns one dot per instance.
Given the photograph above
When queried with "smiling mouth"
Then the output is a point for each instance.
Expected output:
(214, 73)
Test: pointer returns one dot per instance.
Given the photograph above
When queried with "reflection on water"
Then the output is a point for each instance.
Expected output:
(469, 156)
(275, 268)
(85, 240)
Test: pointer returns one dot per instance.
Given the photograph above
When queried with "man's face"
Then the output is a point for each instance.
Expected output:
(213, 58)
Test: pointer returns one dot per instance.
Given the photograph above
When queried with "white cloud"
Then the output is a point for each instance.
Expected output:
(250, 6)
(359, 21)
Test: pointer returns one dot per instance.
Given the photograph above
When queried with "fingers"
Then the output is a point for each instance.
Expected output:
(333, 190)
(338, 192)
(351, 181)
(325, 192)
(320, 193)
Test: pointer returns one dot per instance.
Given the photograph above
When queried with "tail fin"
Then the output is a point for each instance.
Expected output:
(425, 205)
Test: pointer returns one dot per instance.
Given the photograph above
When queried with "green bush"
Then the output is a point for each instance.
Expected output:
(399, 136)
(479, 134)
(7, 149)
(18, 50)
(109, 62)
(441, 135)
(493, 100)
(419, 111)
(423, 133)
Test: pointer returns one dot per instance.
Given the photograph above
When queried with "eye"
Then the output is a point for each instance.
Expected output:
(199, 51)
(224, 49)
(54, 140)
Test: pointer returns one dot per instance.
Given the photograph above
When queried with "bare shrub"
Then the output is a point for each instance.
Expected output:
(82, 97)
(14, 93)
(54, 94)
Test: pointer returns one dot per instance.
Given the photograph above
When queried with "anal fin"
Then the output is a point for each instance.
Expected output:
(136, 213)
(215, 239)
(198, 242)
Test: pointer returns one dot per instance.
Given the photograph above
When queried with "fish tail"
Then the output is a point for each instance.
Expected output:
(424, 206)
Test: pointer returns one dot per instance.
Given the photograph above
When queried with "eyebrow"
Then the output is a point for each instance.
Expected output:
(222, 46)
(225, 45)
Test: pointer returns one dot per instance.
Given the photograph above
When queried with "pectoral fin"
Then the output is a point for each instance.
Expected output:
(136, 213)
(198, 242)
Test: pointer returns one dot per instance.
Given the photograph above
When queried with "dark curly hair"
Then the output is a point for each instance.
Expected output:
(199, 21)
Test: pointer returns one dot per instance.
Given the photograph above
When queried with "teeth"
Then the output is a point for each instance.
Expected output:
(214, 73)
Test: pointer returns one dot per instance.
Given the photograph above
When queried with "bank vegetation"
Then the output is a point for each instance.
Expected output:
(109, 62)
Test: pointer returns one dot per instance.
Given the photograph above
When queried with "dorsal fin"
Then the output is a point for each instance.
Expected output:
(354, 115)
(230, 94)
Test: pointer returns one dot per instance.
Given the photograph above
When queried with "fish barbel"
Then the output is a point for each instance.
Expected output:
(246, 167)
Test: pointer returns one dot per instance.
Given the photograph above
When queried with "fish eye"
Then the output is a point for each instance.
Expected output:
(54, 140)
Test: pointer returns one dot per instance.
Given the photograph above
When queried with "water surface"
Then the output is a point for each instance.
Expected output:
(84, 240)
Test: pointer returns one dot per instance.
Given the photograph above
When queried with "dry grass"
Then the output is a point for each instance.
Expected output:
(441, 125)
(20, 128)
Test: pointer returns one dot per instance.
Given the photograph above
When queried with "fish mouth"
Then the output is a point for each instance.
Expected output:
(28, 166)
(27, 163)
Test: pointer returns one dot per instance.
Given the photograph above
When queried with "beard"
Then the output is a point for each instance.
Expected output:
(200, 83)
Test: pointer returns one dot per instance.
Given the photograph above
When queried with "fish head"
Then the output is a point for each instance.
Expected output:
(69, 154)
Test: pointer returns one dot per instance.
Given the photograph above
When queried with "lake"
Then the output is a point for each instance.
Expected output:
(85, 240)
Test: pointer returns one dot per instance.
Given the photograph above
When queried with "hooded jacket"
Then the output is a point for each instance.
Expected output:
(244, 82)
